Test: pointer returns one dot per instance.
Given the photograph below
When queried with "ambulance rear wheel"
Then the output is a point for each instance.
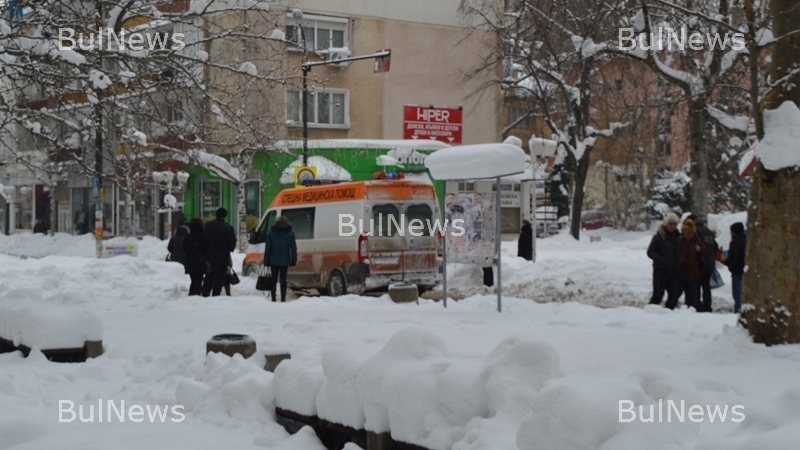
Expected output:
(336, 285)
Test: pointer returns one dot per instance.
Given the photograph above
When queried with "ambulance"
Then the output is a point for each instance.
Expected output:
(354, 237)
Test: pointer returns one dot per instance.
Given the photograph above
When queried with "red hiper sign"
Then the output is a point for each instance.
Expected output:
(425, 122)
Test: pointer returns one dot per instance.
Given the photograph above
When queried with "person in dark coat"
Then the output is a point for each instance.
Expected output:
(666, 251)
(221, 242)
(709, 263)
(689, 273)
(195, 247)
(525, 243)
(736, 262)
(175, 246)
(280, 252)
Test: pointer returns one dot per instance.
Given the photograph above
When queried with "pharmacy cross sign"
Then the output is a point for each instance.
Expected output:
(430, 122)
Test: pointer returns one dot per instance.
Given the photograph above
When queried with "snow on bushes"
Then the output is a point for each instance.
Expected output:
(416, 389)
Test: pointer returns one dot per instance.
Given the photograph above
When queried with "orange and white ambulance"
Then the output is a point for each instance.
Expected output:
(355, 237)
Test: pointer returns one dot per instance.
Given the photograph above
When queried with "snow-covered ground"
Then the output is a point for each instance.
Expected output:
(544, 374)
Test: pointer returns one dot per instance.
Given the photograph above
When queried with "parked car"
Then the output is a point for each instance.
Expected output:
(594, 219)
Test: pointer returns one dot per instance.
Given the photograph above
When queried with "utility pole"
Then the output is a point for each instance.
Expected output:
(97, 181)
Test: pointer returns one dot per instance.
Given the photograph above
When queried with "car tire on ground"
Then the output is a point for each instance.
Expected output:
(336, 285)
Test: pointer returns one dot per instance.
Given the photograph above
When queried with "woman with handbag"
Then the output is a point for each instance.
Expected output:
(195, 246)
(280, 252)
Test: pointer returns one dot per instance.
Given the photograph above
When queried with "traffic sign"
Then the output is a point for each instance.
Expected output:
(304, 173)
(430, 122)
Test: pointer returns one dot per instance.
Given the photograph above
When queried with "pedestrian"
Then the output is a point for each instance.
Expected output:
(689, 273)
(709, 265)
(195, 247)
(221, 242)
(175, 246)
(280, 252)
(735, 262)
(525, 243)
(666, 251)
(39, 227)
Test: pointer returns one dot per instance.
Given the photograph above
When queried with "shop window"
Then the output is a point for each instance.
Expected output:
(210, 198)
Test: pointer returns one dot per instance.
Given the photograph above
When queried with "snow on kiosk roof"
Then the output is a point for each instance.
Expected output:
(477, 161)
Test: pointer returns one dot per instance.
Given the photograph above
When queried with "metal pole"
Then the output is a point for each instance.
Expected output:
(533, 200)
(169, 213)
(497, 245)
(305, 112)
(444, 245)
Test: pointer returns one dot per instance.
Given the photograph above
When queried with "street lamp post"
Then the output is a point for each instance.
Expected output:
(306, 68)
(164, 180)
(539, 148)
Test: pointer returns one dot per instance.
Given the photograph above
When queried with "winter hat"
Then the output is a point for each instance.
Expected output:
(737, 228)
(671, 218)
(688, 226)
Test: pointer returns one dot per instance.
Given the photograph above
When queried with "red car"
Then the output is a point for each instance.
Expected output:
(594, 219)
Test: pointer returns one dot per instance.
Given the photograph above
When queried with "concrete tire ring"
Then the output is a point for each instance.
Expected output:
(404, 293)
(230, 344)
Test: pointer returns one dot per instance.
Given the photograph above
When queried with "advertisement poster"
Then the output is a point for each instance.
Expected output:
(477, 244)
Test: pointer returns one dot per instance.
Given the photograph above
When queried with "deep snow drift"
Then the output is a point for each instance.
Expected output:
(537, 376)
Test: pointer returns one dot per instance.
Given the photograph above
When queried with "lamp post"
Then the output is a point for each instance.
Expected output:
(164, 180)
(306, 66)
(544, 148)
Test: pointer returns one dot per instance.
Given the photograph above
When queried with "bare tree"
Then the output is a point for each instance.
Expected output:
(119, 88)
(548, 53)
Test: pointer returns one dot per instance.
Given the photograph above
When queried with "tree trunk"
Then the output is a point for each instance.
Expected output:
(242, 210)
(771, 298)
(581, 170)
(698, 120)
(128, 214)
(53, 212)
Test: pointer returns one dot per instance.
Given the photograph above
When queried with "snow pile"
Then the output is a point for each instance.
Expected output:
(46, 323)
(326, 170)
(780, 147)
(34, 245)
(415, 389)
(476, 161)
(227, 388)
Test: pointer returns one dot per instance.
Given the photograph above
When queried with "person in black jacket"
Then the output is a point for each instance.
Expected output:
(666, 251)
(280, 252)
(195, 247)
(221, 242)
(175, 246)
(525, 243)
(735, 263)
(709, 262)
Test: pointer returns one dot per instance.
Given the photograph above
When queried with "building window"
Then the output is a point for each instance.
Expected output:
(321, 32)
(326, 108)
(663, 147)
(519, 118)
(175, 112)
